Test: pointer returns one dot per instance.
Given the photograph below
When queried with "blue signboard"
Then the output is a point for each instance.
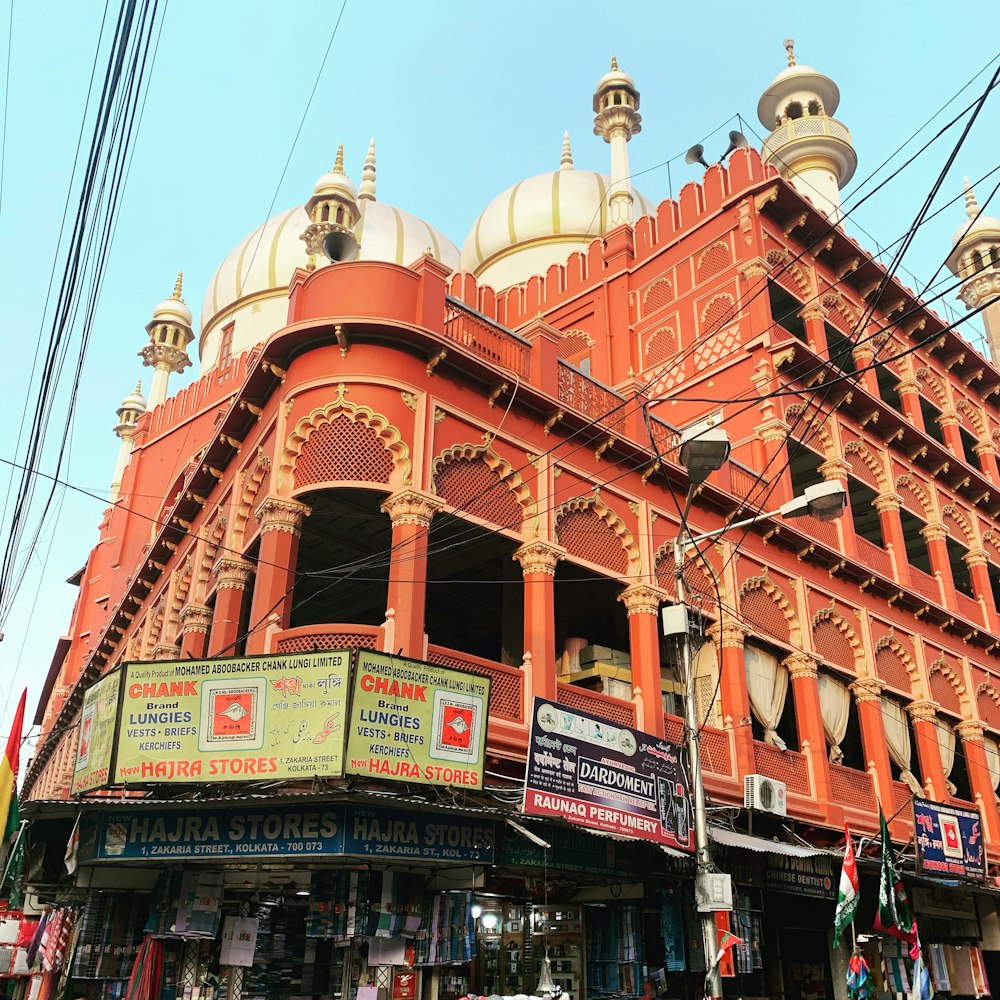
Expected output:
(290, 830)
(949, 840)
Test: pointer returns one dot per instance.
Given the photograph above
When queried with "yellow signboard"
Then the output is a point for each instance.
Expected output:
(413, 721)
(241, 719)
(97, 734)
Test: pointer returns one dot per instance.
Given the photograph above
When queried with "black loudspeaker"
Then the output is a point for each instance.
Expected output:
(341, 245)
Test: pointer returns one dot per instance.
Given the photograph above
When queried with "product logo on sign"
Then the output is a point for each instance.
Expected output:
(951, 839)
(232, 715)
(456, 726)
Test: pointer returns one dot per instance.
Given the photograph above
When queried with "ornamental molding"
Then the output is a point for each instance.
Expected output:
(166, 651)
(867, 689)
(981, 289)
(232, 573)
(196, 618)
(166, 356)
(970, 730)
(755, 268)
(539, 557)
(729, 634)
(976, 557)
(773, 430)
(611, 519)
(281, 514)
(411, 507)
(934, 532)
(801, 665)
(643, 599)
(888, 503)
(835, 468)
(923, 710)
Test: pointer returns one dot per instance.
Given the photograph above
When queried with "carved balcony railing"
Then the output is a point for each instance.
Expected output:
(307, 638)
(613, 709)
(507, 689)
(478, 335)
(871, 555)
(788, 766)
(714, 743)
(589, 398)
(852, 789)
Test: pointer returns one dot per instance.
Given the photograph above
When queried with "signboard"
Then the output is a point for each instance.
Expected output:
(289, 830)
(949, 840)
(575, 850)
(589, 771)
(800, 876)
(97, 734)
(413, 721)
(240, 719)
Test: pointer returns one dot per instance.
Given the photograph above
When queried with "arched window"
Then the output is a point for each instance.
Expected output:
(793, 110)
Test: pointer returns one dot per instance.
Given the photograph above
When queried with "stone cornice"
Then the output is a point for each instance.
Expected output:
(411, 507)
(643, 599)
(281, 514)
(232, 573)
(539, 557)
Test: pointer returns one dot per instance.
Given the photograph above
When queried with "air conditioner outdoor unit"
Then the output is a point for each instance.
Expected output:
(764, 795)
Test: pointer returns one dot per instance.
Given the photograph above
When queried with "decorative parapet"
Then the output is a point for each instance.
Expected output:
(539, 557)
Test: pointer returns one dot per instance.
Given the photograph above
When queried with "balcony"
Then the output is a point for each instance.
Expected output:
(788, 766)
(874, 557)
(923, 583)
(853, 790)
(590, 398)
(507, 689)
(807, 127)
(714, 744)
(615, 710)
(309, 638)
(475, 333)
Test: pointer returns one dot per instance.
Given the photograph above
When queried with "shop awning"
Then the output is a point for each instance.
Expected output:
(673, 852)
(760, 844)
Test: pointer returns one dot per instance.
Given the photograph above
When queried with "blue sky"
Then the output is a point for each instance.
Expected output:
(464, 99)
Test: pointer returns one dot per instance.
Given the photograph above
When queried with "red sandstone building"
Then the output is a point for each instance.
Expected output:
(471, 458)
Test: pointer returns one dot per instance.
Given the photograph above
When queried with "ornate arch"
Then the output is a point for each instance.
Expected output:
(870, 461)
(907, 482)
(625, 537)
(795, 412)
(658, 293)
(718, 313)
(895, 666)
(951, 695)
(713, 259)
(388, 435)
(949, 512)
(505, 473)
(835, 640)
(841, 313)
(992, 539)
(660, 345)
(964, 408)
(988, 704)
(253, 479)
(778, 258)
(696, 578)
(764, 606)
(933, 385)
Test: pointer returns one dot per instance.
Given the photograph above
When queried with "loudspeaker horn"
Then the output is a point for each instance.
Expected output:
(341, 245)
(696, 154)
(737, 140)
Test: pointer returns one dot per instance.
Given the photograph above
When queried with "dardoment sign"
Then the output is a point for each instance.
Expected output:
(233, 719)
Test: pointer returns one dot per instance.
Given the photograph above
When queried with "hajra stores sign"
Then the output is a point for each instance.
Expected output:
(233, 719)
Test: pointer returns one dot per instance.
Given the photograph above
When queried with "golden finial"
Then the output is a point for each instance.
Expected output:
(338, 164)
(178, 286)
(367, 190)
(566, 162)
(971, 205)
(138, 386)
(790, 49)
(614, 62)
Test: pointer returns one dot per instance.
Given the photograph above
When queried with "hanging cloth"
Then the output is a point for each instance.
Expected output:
(705, 668)
(947, 740)
(835, 707)
(767, 685)
(897, 738)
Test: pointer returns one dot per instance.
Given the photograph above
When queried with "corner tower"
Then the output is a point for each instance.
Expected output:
(132, 408)
(616, 120)
(807, 145)
(975, 258)
(334, 213)
(170, 334)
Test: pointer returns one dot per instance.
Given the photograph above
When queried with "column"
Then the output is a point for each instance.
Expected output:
(909, 396)
(410, 512)
(948, 422)
(233, 575)
(196, 621)
(978, 563)
(863, 355)
(642, 603)
(166, 651)
(935, 534)
(774, 436)
(888, 506)
(987, 455)
(970, 733)
(728, 635)
(923, 715)
(867, 693)
(809, 722)
(840, 469)
(813, 317)
(280, 522)
(538, 564)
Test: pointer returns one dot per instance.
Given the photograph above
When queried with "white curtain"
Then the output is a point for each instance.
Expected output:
(767, 681)
(992, 761)
(706, 685)
(897, 738)
(946, 741)
(835, 705)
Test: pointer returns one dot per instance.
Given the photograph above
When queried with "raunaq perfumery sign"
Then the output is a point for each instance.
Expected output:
(949, 840)
(589, 771)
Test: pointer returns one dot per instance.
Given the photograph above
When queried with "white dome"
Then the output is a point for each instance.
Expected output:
(173, 311)
(251, 284)
(539, 222)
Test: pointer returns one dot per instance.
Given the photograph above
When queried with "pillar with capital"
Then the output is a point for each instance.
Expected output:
(196, 621)
(840, 469)
(280, 522)
(863, 355)
(888, 506)
(909, 397)
(538, 561)
(935, 534)
(410, 512)
(867, 693)
(642, 604)
(813, 316)
(232, 575)
(986, 452)
(774, 434)
(728, 635)
(970, 732)
(977, 561)
(923, 715)
(804, 676)
(952, 434)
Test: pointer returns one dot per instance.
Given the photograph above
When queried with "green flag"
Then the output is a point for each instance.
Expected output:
(894, 915)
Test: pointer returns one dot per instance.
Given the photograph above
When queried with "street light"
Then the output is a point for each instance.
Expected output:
(703, 450)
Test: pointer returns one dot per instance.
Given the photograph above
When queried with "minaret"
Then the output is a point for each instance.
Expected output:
(807, 144)
(566, 160)
(132, 408)
(616, 120)
(333, 213)
(975, 258)
(169, 335)
(367, 190)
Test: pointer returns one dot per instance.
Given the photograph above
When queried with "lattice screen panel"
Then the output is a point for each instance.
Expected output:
(585, 535)
(471, 485)
(343, 449)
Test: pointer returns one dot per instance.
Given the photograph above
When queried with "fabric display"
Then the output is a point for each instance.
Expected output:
(939, 968)
(896, 964)
(672, 932)
(147, 973)
(965, 969)
(447, 932)
(333, 905)
(55, 938)
(614, 950)
(199, 909)
(746, 925)
(109, 937)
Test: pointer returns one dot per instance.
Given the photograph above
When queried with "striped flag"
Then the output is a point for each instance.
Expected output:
(847, 895)
(9, 811)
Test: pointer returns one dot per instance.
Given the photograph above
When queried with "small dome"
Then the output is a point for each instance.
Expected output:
(335, 180)
(135, 401)
(613, 79)
(539, 222)
(796, 82)
(978, 225)
(173, 310)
